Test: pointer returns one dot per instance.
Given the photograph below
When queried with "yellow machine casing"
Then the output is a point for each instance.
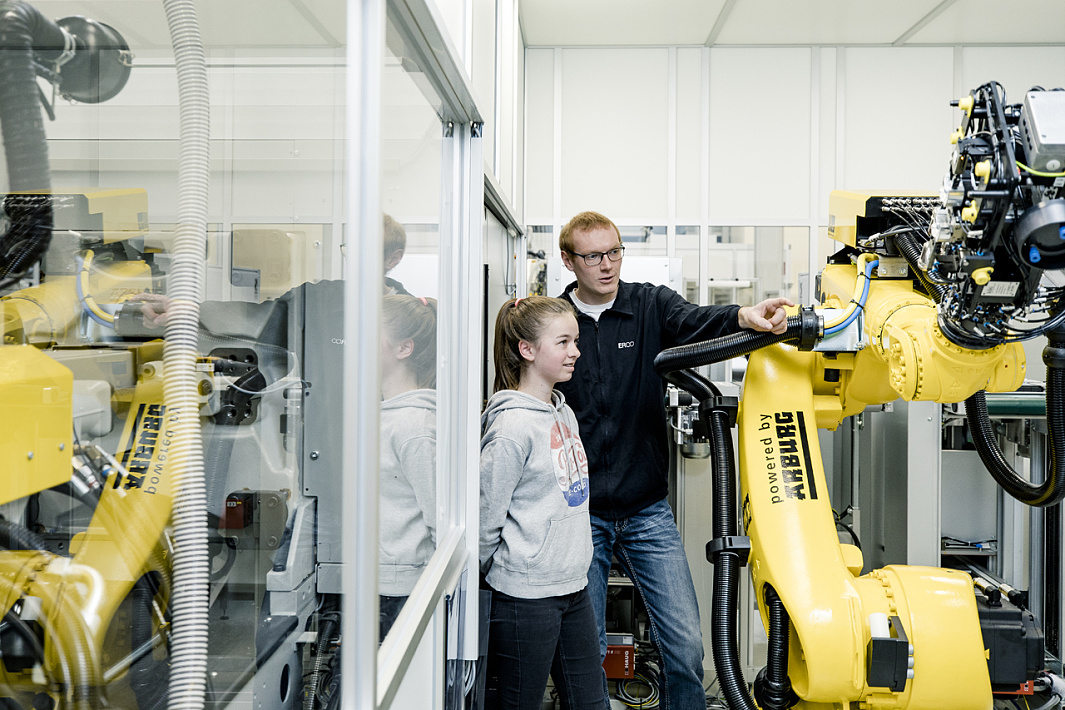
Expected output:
(112, 214)
(795, 548)
(35, 443)
(787, 514)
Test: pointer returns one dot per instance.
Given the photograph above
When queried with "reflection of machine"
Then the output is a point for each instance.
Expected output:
(90, 499)
(926, 301)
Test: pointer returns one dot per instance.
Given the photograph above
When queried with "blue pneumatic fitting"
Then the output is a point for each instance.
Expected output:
(1061, 232)
(1033, 255)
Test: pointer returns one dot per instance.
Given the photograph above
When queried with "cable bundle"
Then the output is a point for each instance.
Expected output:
(640, 691)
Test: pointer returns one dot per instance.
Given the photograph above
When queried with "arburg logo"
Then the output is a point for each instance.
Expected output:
(628, 344)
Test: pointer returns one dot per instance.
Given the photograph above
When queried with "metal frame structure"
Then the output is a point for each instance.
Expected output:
(372, 676)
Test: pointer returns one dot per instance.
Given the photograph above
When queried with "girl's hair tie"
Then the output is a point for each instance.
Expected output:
(422, 299)
(517, 301)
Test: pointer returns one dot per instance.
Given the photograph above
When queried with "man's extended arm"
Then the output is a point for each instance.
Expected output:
(767, 316)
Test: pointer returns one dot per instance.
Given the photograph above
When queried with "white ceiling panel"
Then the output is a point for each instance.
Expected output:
(821, 21)
(618, 22)
(995, 22)
(792, 22)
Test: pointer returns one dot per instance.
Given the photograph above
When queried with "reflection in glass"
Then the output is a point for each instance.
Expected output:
(408, 448)
(414, 175)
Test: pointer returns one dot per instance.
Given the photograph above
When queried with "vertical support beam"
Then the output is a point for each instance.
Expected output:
(1037, 528)
(556, 144)
(923, 490)
(517, 45)
(814, 219)
(671, 158)
(497, 81)
(468, 313)
(362, 319)
(704, 183)
(841, 123)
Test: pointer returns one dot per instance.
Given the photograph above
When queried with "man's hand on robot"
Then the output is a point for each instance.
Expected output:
(155, 309)
(768, 316)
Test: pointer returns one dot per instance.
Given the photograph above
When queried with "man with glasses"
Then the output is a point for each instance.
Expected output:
(619, 402)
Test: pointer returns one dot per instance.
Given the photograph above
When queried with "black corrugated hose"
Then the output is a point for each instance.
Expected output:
(17, 537)
(724, 640)
(1052, 489)
(724, 348)
(907, 246)
(22, 31)
(772, 688)
(148, 678)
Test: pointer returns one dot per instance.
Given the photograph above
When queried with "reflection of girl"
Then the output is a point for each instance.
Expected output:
(408, 448)
(536, 539)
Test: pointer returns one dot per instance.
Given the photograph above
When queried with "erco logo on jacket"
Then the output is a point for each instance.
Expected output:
(627, 344)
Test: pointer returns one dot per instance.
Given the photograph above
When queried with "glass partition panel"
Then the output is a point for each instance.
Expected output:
(644, 241)
(541, 244)
(411, 191)
(172, 357)
(751, 263)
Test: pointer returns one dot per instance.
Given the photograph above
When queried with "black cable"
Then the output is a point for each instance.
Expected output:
(726, 571)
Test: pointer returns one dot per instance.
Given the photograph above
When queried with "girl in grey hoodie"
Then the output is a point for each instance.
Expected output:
(408, 449)
(535, 537)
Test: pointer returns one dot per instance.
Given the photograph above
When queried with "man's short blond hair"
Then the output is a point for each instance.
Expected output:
(584, 222)
(395, 235)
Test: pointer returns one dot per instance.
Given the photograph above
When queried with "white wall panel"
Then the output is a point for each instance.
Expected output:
(283, 180)
(288, 102)
(689, 133)
(614, 137)
(1016, 68)
(507, 89)
(759, 133)
(897, 117)
(484, 72)
(539, 135)
(518, 193)
(145, 108)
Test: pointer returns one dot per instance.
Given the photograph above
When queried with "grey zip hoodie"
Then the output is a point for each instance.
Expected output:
(536, 537)
(408, 490)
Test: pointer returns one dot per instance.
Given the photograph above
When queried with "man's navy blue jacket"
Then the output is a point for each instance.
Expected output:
(618, 398)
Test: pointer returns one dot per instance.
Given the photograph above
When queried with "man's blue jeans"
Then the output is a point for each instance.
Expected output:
(648, 547)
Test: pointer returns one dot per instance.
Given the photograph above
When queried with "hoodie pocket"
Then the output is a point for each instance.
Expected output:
(566, 553)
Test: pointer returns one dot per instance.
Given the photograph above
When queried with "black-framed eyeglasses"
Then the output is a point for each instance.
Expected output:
(595, 257)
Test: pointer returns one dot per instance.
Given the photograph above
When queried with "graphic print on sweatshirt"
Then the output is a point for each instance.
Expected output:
(571, 464)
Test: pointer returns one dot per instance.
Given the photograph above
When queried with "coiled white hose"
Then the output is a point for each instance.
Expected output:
(188, 672)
